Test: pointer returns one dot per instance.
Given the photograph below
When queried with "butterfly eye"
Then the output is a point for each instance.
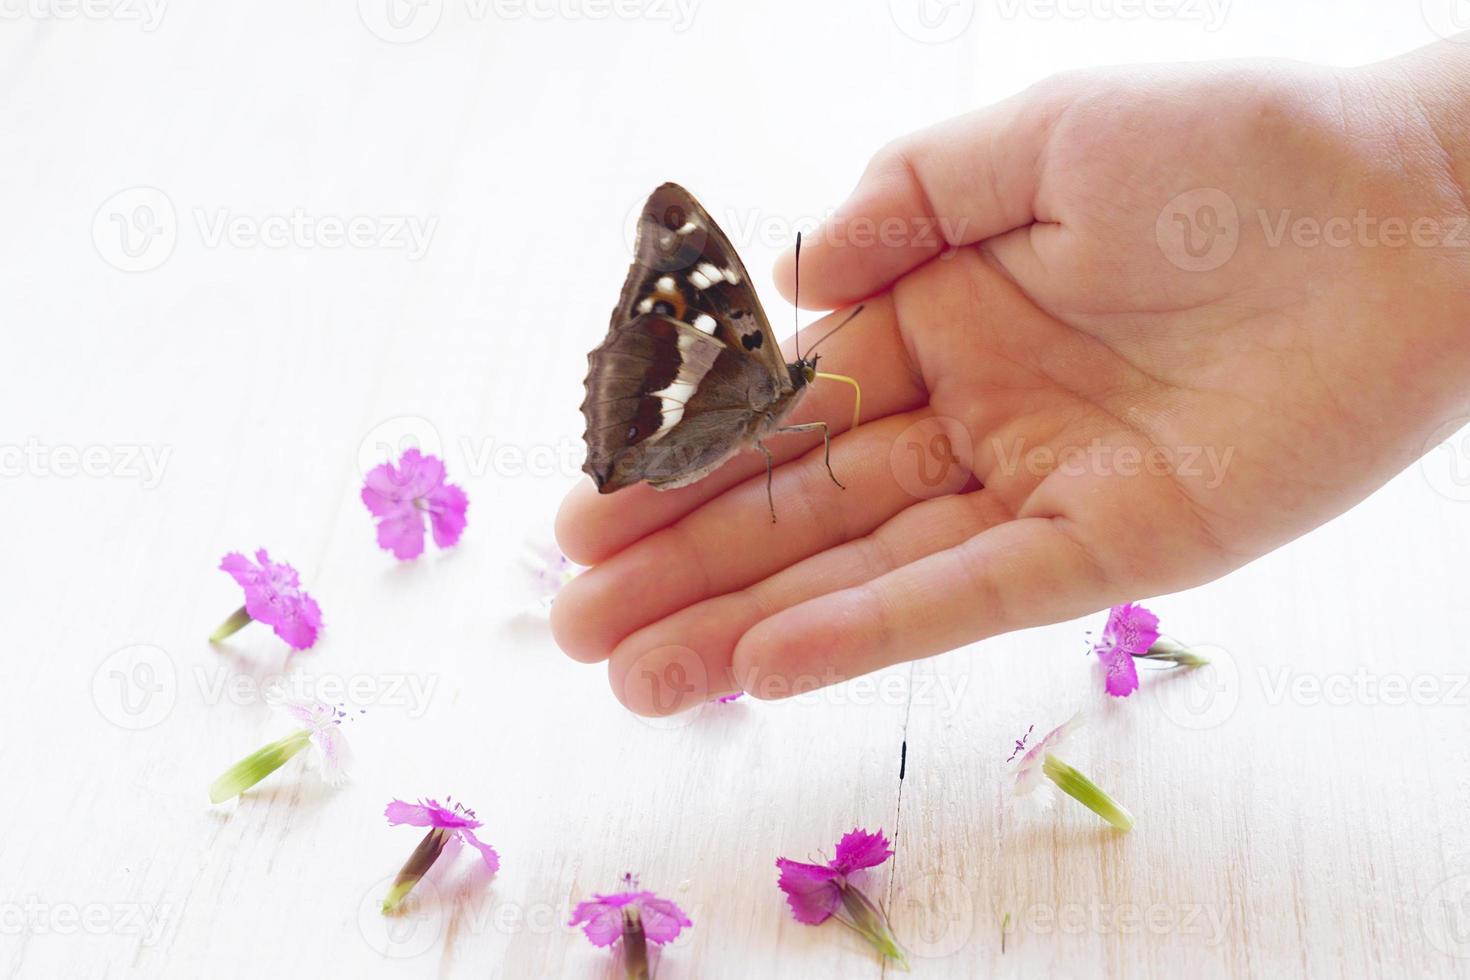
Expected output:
(808, 372)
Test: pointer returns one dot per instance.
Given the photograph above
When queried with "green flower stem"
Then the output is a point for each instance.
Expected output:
(867, 920)
(257, 765)
(1165, 649)
(635, 945)
(1086, 792)
(239, 619)
(417, 865)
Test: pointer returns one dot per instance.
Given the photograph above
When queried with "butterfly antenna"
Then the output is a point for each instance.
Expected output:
(796, 298)
(850, 317)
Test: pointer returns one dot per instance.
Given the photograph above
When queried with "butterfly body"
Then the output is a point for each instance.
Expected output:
(690, 372)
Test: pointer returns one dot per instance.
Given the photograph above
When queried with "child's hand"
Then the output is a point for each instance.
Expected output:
(1140, 414)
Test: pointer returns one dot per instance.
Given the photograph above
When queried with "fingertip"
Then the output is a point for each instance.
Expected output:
(574, 531)
(801, 649)
(591, 527)
(665, 681)
(574, 624)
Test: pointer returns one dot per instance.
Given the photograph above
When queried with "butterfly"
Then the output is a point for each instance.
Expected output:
(690, 372)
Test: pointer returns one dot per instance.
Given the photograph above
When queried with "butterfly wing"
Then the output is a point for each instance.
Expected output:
(664, 401)
(689, 365)
(685, 267)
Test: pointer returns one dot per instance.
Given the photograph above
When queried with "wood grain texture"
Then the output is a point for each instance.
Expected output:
(1298, 812)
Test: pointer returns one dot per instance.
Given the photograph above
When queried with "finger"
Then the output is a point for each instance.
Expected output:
(956, 183)
(701, 639)
(591, 526)
(1023, 573)
(730, 542)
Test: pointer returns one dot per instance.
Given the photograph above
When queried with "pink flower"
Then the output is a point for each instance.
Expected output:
(1130, 631)
(602, 918)
(400, 496)
(273, 595)
(447, 823)
(633, 916)
(818, 892)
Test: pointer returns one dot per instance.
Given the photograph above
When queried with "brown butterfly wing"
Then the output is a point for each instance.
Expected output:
(689, 362)
(648, 382)
(685, 267)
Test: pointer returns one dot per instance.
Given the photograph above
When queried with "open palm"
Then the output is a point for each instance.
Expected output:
(1114, 376)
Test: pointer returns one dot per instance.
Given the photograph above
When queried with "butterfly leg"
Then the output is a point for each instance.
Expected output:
(770, 500)
(826, 443)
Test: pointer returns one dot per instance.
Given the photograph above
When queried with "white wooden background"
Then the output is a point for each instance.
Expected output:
(1301, 807)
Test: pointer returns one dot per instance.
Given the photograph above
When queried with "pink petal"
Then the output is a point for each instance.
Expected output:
(240, 569)
(492, 860)
(1122, 675)
(810, 889)
(380, 491)
(431, 813)
(860, 849)
(412, 814)
(420, 474)
(300, 623)
(662, 919)
(446, 513)
(600, 919)
(1130, 628)
(402, 534)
